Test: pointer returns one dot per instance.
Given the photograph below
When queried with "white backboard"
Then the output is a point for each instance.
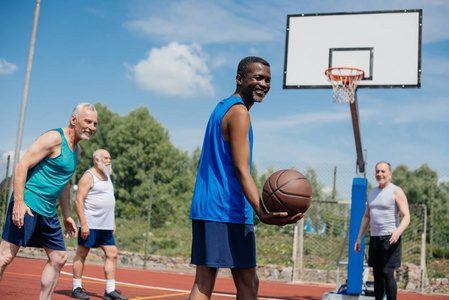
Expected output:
(385, 44)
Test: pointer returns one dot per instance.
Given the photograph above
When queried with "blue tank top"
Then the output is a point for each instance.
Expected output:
(218, 196)
(47, 179)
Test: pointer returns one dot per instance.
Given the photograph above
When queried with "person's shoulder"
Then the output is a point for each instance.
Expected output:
(394, 187)
(52, 133)
(50, 138)
(373, 189)
(87, 178)
(239, 109)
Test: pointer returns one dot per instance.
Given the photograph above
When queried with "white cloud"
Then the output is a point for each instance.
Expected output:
(205, 22)
(7, 68)
(176, 70)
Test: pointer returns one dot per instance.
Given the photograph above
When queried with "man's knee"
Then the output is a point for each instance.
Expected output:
(388, 273)
(246, 280)
(111, 252)
(82, 252)
(6, 259)
(205, 279)
(63, 258)
(7, 252)
(58, 258)
(256, 283)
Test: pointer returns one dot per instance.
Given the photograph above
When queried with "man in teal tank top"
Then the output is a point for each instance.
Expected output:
(40, 178)
(225, 194)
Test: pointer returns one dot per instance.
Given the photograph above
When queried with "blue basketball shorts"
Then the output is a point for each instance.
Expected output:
(223, 245)
(97, 238)
(38, 231)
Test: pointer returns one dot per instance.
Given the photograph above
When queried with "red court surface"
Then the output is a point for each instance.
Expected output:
(21, 280)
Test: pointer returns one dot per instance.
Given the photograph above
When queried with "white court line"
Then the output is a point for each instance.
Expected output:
(163, 289)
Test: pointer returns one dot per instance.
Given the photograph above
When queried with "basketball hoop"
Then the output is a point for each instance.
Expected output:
(344, 83)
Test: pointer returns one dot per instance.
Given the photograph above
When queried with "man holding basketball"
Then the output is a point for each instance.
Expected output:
(95, 206)
(225, 194)
(41, 177)
(383, 206)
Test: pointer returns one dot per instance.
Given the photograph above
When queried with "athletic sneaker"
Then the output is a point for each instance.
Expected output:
(79, 293)
(114, 295)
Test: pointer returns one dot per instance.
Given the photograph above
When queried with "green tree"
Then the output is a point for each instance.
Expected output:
(137, 142)
(422, 186)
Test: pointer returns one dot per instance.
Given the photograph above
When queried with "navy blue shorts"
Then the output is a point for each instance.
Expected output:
(382, 254)
(223, 245)
(38, 231)
(97, 238)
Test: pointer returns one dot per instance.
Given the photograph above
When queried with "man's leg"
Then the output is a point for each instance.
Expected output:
(391, 287)
(78, 262)
(379, 286)
(204, 283)
(110, 266)
(246, 282)
(7, 253)
(52, 270)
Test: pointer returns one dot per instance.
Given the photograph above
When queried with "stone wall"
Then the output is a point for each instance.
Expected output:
(408, 276)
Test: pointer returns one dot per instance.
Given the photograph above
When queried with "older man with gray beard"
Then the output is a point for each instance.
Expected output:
(95, 204)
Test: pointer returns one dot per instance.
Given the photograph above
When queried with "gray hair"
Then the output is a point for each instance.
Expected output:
(97, 154)
(384, 162)
(76, 111)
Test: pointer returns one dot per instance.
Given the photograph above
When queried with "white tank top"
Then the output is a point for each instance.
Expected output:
(384, 213)
(99, 204)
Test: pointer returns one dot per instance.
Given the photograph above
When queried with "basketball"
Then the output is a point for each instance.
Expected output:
(287, 191)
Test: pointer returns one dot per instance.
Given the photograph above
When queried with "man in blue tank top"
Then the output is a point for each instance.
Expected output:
(225, 194)
(40, 178)
(383, 207)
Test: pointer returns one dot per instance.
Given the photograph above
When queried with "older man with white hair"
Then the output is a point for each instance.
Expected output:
(40, 178)
(95, 205)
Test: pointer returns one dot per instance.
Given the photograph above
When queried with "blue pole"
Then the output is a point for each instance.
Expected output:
(355, 261)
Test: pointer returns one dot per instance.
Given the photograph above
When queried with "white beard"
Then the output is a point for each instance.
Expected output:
(106, 169)
(84, 136)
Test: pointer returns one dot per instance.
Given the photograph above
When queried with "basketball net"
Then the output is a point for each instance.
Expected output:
(344, 83)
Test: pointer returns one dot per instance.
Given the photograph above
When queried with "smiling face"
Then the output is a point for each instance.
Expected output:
(85, 124)
(383, 174)
(255, 84)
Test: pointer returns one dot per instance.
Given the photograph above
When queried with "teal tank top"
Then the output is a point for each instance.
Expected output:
(218, 195)
(47, 179)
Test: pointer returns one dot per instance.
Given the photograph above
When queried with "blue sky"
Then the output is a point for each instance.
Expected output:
(179, 58)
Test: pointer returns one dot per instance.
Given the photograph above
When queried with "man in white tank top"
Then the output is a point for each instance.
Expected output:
(95, 204)
(383, 207)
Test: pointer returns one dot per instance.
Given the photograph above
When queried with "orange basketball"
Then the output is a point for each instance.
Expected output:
(287, 191)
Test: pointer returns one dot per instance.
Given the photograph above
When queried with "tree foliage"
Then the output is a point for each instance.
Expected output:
(139, 145)
(422, 186)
